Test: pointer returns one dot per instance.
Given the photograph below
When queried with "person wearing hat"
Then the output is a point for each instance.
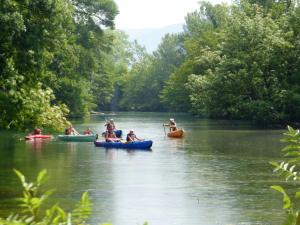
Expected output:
(132, 137)
(172, 125)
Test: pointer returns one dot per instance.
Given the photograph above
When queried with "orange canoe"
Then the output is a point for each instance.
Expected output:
(176, 134)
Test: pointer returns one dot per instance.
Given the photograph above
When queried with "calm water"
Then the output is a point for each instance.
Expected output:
(217, 174)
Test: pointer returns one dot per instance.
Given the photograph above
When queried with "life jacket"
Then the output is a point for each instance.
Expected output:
(132, 136)
(173, 128)
(108, 133)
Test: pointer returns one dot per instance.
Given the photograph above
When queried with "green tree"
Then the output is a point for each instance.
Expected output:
(241, 63)
(204, 30)
(30, 33)
(52, 56)
(251, 77)
(147, 76)
(84, 79)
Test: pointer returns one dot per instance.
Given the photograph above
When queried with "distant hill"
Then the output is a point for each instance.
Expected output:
(151, 37)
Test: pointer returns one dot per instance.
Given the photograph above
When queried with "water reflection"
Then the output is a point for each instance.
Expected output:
(113, 153)
(217, 174)
(36, 144)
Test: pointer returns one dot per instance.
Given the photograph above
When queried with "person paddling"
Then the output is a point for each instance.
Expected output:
(110, 125)
(132, 137)
(88, 131)
(37, 131)
(172, 125)
(110, 136)
(71, 131)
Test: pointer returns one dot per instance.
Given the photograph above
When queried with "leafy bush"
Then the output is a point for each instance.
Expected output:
(33, 211)
(287, 169)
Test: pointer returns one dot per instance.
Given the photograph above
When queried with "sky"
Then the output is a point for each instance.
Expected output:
(136, 14)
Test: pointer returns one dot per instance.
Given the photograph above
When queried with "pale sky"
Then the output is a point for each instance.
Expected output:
(154, 13)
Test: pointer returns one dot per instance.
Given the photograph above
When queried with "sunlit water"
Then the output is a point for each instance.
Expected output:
(217, 174)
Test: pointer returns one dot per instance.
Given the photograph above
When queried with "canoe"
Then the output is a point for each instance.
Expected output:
(117, 132)
(38, 136)
(126, 145)
(176, 134)
(77, 138)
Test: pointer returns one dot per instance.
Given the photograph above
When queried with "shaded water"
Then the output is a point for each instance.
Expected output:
(217, 174)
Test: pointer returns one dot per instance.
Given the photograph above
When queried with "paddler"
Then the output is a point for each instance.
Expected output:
(110, 136)
(37, 131)
(110, 125)
(132, 137)
(71, 131)
(172, 125)
(88, 131)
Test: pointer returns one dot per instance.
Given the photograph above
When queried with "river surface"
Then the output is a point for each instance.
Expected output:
(217, 174)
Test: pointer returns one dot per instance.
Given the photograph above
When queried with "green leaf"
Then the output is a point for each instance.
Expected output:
(292, 154)
(297, 195)
(290, 129)
(291, 148)
(83, 209)
(286, 199)
(275, 164)
(20, 175)
(41, 176)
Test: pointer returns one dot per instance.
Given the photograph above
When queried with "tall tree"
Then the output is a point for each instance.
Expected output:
(150, 74)
(51, 53)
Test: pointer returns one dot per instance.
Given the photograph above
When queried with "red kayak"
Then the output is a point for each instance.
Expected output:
(38, 136)
(176, 133)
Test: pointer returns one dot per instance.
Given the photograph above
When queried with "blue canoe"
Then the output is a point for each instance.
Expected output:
(127, 145)
(117, 132)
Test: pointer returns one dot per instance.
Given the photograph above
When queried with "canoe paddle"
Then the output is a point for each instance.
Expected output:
(164, 130)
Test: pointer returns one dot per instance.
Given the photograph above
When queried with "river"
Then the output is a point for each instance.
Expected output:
(217, 174)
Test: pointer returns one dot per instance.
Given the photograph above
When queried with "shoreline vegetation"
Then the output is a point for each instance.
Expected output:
(288, 169)
(61, 59)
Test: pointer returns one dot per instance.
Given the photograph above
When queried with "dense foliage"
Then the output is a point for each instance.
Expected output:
(33, 210)
(238, 61)
(52, 60)
(288, 169)
(62, 58)
(253, 70)
(148, 75)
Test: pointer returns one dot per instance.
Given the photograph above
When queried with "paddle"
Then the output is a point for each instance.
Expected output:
(165, 130)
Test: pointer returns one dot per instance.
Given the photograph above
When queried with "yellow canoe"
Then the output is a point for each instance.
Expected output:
(176, 134)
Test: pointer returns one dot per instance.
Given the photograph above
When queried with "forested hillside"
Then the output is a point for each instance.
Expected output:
(237, 61)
